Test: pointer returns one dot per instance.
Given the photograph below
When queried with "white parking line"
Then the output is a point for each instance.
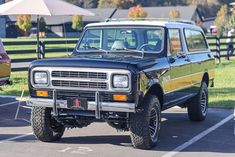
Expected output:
(23, 119)
(198, 137)
(8, 96)
(15, 138)
(10, 103)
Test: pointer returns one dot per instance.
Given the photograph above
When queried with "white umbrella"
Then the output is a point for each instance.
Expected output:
(42, 8)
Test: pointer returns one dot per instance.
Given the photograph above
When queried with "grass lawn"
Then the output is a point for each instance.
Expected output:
(220, 96)
(20, 82)
(223, 94)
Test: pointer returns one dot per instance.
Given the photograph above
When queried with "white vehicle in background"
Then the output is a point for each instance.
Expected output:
(213, 30)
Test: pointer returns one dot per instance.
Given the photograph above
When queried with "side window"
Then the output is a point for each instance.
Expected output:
(175, 41)
(195, 40)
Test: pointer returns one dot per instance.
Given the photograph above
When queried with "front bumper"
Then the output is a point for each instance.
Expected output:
(92, 106)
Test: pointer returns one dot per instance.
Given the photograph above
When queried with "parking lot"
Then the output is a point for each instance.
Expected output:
(179, 137)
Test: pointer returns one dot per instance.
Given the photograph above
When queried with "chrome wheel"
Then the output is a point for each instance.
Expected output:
(204, 102)
(153, 124)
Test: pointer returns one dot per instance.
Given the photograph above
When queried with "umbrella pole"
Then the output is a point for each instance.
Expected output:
(38, 49)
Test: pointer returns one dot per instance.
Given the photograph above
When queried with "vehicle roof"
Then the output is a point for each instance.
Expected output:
(167, 24)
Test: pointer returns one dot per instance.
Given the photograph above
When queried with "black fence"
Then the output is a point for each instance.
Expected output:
(50, 47)
(218, 46)
(30, 51)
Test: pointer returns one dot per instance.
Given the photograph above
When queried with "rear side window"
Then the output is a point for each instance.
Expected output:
(195, 40)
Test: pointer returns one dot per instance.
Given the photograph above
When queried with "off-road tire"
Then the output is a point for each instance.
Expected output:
(198, 105)
(140, 124)
(42, 125)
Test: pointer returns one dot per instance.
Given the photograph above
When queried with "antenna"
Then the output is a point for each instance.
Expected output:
(110, 17)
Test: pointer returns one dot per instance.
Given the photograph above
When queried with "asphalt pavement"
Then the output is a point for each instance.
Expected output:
(179, 137)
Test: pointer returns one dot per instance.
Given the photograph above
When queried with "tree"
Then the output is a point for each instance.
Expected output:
(174, 13)
(231, 22)
(124, 4)
(84, 3)
(24, 23)
(77, 23)
(104, 4)
(137, 12)
(222, 18)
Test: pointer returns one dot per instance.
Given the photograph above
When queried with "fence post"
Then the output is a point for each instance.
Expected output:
(41, 50)
(218, 48)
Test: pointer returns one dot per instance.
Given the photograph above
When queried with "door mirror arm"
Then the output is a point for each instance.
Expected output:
(181, 54)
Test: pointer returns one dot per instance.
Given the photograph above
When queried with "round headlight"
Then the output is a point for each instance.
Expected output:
(40, 78)
(120, 81)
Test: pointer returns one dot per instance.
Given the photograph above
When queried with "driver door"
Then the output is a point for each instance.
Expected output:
(180, 66)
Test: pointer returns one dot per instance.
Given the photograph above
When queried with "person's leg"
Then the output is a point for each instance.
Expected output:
(228, 51)
(232, 50)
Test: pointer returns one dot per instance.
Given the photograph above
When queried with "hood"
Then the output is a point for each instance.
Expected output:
(98, 61)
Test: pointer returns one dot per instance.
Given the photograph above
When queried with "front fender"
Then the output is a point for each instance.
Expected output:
(146, 83)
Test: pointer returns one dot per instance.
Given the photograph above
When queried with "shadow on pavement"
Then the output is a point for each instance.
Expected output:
(103, 139)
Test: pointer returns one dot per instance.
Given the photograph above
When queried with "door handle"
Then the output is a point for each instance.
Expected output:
(171, 60)
(187, 60)
(181, 54)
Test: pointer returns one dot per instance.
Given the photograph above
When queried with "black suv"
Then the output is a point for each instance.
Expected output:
(125, 73)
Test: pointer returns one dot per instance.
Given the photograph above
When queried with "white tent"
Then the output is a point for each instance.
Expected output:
(42, 8)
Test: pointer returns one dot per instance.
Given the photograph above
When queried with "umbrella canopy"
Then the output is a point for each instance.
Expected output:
(42, 7)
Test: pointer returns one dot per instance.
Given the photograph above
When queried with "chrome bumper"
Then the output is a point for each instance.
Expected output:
(92, 106)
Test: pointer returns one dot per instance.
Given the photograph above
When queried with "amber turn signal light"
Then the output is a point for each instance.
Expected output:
(42, 93)
(120, 97)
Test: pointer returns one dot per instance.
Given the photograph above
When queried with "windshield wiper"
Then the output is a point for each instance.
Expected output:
(100, 51)
(133, 52)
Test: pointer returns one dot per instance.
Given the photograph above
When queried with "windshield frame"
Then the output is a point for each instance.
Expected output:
(76, 50)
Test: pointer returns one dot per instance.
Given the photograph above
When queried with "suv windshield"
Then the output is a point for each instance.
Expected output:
(119, 38)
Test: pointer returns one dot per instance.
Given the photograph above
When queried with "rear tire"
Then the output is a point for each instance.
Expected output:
(46, 128)
(198, 106)
(145, 124)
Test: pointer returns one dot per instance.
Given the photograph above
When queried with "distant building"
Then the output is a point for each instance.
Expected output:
(2, 24)
(60, 26)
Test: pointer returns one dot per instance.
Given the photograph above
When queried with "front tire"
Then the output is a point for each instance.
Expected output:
(145, 124)
(198, 106)
(46, 128)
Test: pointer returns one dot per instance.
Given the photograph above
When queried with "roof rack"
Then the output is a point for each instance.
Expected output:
(178, 20)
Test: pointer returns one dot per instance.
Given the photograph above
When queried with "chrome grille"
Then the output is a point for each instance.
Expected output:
(80, 84)
(89, 96)
(79, 74)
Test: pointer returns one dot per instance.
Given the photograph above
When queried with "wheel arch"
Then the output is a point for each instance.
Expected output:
(205, 78)
(156, 90)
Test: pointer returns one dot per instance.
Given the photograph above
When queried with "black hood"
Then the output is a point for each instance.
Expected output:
(97, 61)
